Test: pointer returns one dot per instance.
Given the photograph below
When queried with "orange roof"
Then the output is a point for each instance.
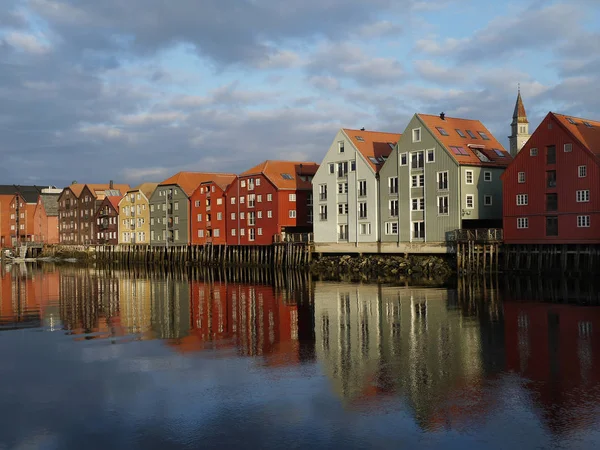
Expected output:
(373, 144)
(588, 135)
(223, 180)
(145, 188)
(77, 188)
(469, 146)
(114, 201)
(285, 174)
(189, 181)
(520, 115)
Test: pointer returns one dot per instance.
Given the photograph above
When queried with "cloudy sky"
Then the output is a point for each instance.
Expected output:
(137, 90)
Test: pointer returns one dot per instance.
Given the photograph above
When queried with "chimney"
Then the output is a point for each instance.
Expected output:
(111, 184)
(442, 116)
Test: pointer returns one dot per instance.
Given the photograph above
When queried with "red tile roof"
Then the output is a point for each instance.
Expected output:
(114, 201)
(373, 144)
(588, 135)
(469, 146)
(223, 180)
(145, 188)
(277, 172)
(189, 181)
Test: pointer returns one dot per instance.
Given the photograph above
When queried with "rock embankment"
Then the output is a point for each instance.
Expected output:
(67, 253)
(381, 268)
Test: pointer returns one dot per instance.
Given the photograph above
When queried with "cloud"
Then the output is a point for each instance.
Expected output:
(27, 42)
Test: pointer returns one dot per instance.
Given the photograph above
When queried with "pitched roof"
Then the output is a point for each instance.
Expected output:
(114, 201)
(223, 180)
(145, 188)
(584, 130)
(470, 150)
(77, 188)
(519, 114)
(29, 193)
(286, 174)
(189, 181)
(50, 202)
(373, 145)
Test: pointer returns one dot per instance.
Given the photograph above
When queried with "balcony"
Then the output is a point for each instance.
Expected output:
(132, 226)
(208, 207)
(477, 235)
(208, 224)
(293, 237)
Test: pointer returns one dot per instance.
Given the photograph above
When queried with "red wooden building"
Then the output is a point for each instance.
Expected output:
(268, 200)
(107, 221)
(551, 191)
(208, 209)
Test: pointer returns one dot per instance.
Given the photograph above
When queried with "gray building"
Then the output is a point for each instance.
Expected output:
(345, 188)
(443, 175)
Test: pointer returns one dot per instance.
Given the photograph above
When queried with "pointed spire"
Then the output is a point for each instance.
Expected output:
(519, 115)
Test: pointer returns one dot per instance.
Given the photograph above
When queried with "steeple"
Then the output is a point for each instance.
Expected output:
(519, 126)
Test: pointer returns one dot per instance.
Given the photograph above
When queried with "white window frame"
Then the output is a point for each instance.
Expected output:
(472, 197)
(413, 229)
(582, 171)
(521, 177)
(243, 183)
(365, 228)
(522, 199)
(420, 204)
(427, 153)
(340, 146)
(391, 228)
(467, 173)
(522, 223)
(568, 148)
(447, 213)
(269, 214)
(292, 213)
(404, 159)
(583, 222)
(416, 134)
(583, 196)
(420, 181)
(292, 197)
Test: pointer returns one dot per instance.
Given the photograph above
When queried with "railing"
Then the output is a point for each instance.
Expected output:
(293, 237)
(479, 235)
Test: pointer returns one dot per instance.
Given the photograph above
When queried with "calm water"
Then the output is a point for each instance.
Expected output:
(96, 359)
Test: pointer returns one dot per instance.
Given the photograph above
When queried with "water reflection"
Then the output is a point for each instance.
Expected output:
(477, 363)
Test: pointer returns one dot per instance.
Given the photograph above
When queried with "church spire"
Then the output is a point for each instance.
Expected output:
(519, 126)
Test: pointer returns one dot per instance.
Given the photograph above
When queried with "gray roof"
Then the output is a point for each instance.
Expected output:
(29, 193)
(50, 202)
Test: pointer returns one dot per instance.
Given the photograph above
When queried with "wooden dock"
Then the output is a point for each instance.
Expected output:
(477, 251)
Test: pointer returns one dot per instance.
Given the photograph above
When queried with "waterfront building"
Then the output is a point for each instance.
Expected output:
(552, 188)
(134, 215)
(22, 210)
(8, 217)
(208, 210)
(107, 221)
(45, 217)
(269, 201)
(170, 208)
(77, 207)
(443, 175)
(346, 187)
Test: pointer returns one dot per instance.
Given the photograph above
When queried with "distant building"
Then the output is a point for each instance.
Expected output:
(107, 221)
(519, 127)
(134, 215)
(551, 189)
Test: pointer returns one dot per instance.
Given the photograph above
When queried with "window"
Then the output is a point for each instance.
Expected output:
(568, 148)
(483, 136)
(251, 234)
(418, 204)
(219, 201)
(342, 188)
(419, 230)
(292, 214)
(342, 169)
(551, 202)
(391, 228)
(442, 181)
(582, 171)
(322, 212)
(242, 215)
(583, 196)
(252, 200)
(251, 218)
(470, 203)
(331, 168)
(551, 154)
(521, 177)
(352, 166)
(196, 204)
(219, 216)
(533, 152)
(404, 159)
(200, 233)
(242, 231)
(443, 205)
(343, 208)
(258, 214)
(571, 121)
(393, 208)
(442, 131)
(460, 133)
(583, 221)
(242, 200)
(270, 197)
(418, 181)
(459, 151)
(250, 184)
(259, 231)
(522, 222)
(522, 199)
(416, 160)
(270, 213)
(362, 210)
(199, 217)
(487, 176)
(233, 200)
(471, 134)
(243, 183)
(416, 135)
(362, 188)
(343, 232)
(292, 197)
(551, 178)
(258, 198)
(551, 226)
(359, 138)
(430, 155)
(499, 153)
(487, 200)
(469, 177)
(232, 216)
(341, 147)
(322, 192)
(393, 185)
(365, 228)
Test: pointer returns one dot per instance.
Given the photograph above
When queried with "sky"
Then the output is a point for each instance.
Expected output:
(135, 91)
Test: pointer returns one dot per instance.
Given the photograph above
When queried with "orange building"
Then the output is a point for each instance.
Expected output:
(21, 218)
(5, 240)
